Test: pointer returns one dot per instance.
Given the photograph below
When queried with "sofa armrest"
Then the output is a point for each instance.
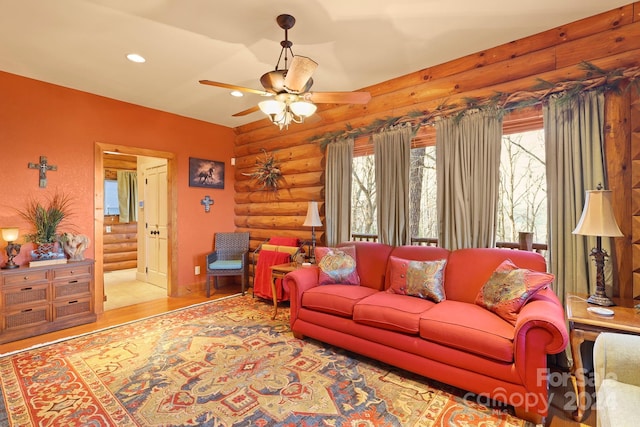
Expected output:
(616, 356)
(296, 283)
(211, 257)
(540, 329)
(545, 311)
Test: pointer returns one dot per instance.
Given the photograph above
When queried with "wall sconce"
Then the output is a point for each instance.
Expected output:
(10, 235)
(312, 220)
(598, 220)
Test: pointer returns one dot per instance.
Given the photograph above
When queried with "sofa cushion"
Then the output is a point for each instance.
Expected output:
(423, 279)
(335, 299)
(470, 328)
(509, 288)
(390, 311)
(337, 265)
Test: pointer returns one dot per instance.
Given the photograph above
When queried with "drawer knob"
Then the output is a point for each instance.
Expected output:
(25, 278)
(26, 289)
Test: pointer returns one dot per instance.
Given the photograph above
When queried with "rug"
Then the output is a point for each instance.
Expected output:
(221, 363)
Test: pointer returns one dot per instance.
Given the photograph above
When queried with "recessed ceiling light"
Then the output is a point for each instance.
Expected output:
(237, 93)
(134, 57)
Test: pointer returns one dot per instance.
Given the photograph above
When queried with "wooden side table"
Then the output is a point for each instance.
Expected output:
(585, 325)
(278, 272)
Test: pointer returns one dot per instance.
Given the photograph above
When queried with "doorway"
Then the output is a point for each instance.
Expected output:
(164, 266)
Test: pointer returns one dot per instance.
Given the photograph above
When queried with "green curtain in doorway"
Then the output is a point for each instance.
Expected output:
(128, 195)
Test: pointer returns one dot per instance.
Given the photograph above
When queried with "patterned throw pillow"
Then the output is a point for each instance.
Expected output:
(337, 265)
(423, 279)
(509, 288)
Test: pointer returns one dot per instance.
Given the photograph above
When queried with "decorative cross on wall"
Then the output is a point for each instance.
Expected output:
(207, 202)
(44, 167)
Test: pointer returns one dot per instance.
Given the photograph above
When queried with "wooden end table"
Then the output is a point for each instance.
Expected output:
(585, 325)
(278, 272)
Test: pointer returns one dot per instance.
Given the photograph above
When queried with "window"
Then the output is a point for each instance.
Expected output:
(522, 204)
(522, 198)
(363, 196)
(111, 206)
(423, 215)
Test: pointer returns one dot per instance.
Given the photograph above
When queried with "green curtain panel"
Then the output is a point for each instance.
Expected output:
(392, 153)
(128, 196)
(575, 163)
(468, 175)
(338, 191)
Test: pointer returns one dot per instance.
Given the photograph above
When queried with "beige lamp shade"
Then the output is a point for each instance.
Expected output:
(10, 234)
(313, 217)
(597, 217)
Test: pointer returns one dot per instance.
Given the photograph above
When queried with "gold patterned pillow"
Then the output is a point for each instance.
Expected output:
(423, 279)
(337, 265)
(509, 288)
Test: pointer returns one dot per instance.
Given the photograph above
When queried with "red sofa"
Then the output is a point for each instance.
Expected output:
(455, 341)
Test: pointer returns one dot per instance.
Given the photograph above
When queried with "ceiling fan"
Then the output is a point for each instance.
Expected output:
(291, 100)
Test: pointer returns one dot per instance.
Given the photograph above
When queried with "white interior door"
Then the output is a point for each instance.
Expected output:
(156, 236)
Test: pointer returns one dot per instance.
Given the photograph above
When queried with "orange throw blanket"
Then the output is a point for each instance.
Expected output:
(262, 280)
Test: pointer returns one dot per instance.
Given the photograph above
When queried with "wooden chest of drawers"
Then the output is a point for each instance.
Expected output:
(37, 300)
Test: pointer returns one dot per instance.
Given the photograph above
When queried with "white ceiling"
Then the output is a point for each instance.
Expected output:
(82, 44)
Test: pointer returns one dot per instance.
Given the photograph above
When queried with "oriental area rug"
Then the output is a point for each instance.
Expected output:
(221, 363)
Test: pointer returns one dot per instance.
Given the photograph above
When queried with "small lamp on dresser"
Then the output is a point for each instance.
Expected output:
(10, 235)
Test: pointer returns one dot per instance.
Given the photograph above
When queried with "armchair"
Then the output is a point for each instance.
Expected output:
(616, 360)
(229, 258)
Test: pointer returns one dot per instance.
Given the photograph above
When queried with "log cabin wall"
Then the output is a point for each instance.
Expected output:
(609, 40)
(120, 240)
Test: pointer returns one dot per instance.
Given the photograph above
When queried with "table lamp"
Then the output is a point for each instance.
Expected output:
(598, 220)
(312, 220)
(10, 235)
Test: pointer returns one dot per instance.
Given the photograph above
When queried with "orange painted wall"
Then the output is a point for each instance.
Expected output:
(40, 119)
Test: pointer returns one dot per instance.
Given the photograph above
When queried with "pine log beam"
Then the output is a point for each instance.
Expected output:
(288, 195)
(618, 152)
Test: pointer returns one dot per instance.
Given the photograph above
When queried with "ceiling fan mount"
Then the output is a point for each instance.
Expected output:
(294, 80)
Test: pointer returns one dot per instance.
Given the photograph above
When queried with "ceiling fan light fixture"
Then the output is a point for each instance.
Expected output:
(272, 107)
(303, 108)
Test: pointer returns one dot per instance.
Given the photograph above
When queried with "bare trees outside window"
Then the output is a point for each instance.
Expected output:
(523, 187)
(522, 198)
(363, 196)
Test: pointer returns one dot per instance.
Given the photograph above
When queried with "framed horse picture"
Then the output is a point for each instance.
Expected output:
(206, 173)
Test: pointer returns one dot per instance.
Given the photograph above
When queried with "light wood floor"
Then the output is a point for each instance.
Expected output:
(562, 396)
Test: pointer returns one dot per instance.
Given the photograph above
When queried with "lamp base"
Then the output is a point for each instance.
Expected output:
(10, 266)
(600, 300)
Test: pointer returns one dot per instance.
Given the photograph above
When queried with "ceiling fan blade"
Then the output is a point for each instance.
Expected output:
(247, 111)
(338, 97)
(299, 74)
(234, 87)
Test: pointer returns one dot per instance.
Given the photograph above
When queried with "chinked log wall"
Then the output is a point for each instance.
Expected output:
(609, 40)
